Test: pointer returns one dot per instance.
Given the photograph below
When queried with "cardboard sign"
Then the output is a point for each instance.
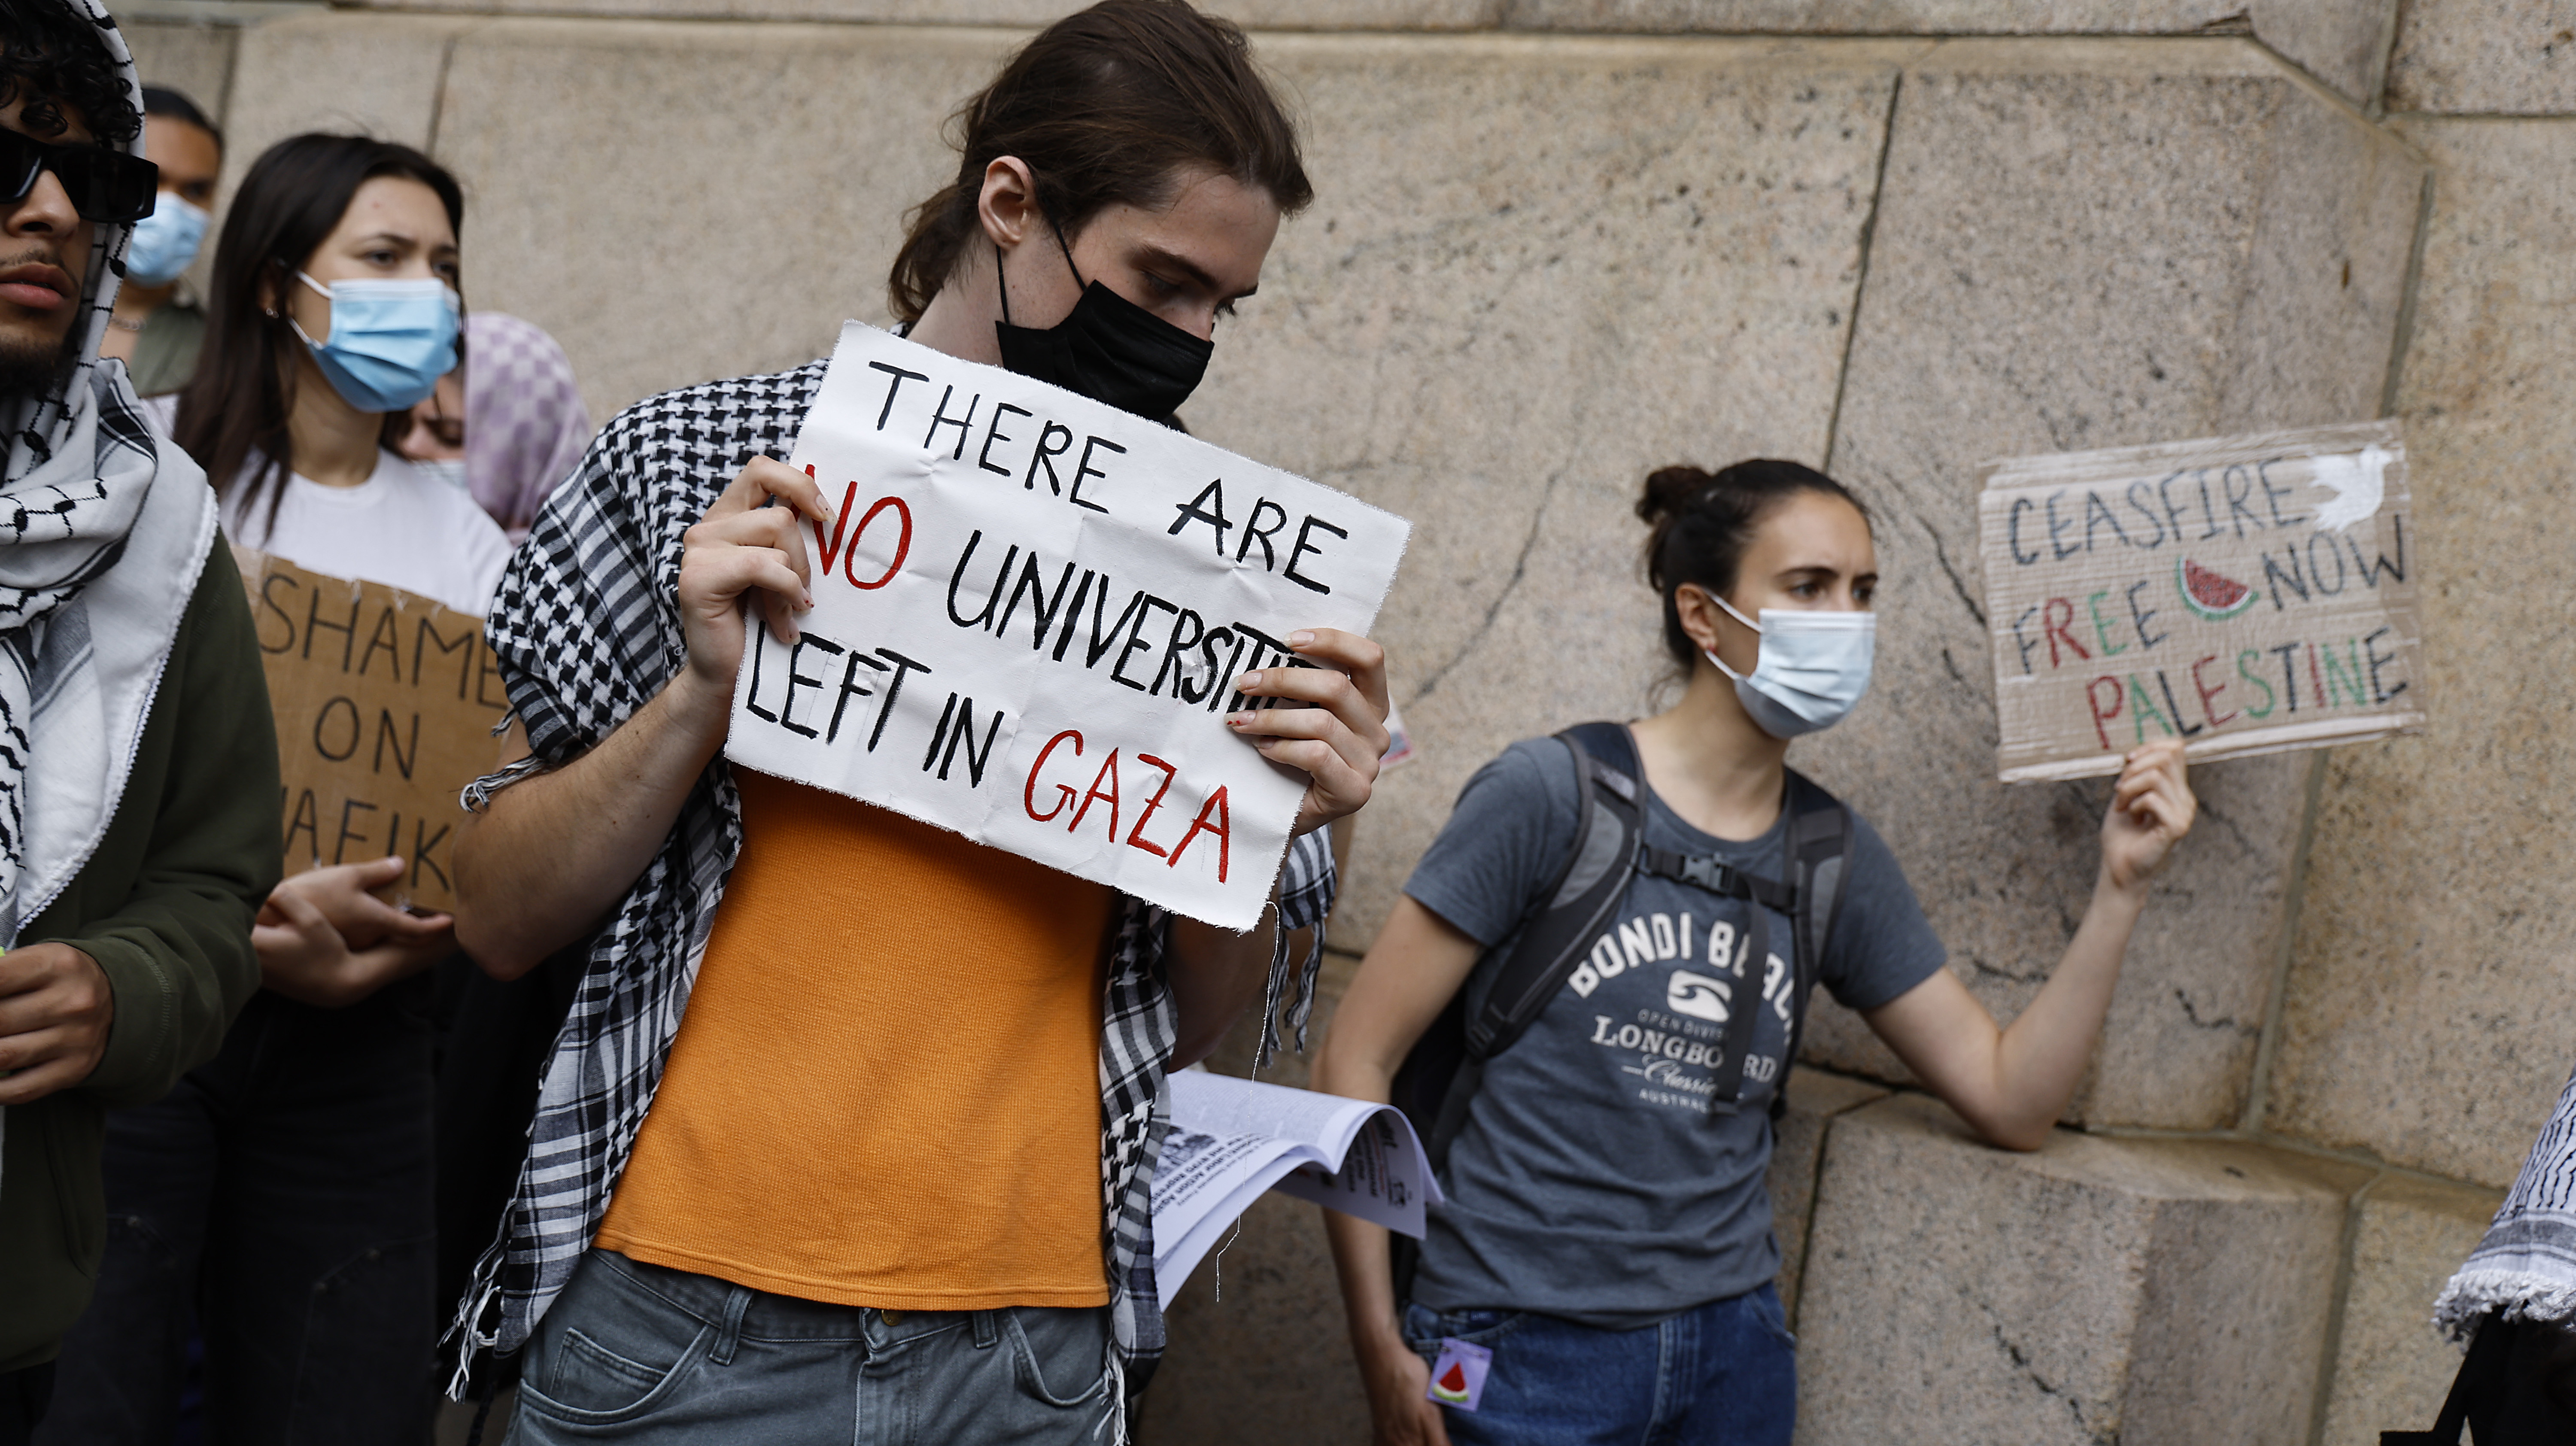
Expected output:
(385, 702)
(1029, 611)
(2246, 594)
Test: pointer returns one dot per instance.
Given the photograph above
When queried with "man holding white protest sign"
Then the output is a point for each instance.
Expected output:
(906, 1133)
(1029, 681)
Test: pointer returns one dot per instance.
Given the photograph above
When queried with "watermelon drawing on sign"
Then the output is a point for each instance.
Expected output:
(2214, 598)
(1455, 1383)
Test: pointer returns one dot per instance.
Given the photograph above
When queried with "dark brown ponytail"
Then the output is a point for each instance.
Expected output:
(1701, 522)
(1107, 106)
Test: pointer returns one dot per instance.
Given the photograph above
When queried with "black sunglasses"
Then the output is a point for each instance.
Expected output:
(104, 184)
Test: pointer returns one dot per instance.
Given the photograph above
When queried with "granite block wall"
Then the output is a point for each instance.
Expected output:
(2428, 1017)
(2095, 1290)
(2344, 43)
(1482, 336)
(2387, 1368)
(2484, 57)
(2227, 251)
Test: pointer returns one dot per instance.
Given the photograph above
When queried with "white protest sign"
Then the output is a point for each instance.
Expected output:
(1029, 611)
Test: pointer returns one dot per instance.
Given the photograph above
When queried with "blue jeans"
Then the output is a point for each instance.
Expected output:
(638, 1353)
(1724, 1374)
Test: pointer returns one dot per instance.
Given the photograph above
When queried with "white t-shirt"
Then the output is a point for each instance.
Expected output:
(401, 527)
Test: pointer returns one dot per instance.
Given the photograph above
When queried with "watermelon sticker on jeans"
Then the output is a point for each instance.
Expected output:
(1458, 1376)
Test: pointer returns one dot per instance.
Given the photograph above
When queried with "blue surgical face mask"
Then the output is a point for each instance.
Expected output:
(164, 242)
(1812, 670)
(390, 340)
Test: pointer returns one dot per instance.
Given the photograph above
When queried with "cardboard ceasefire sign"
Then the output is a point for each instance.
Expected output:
(1028, 613)
(2246, 594)
(385, 702)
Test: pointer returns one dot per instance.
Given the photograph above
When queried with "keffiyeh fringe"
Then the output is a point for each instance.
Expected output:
(2525, 1268)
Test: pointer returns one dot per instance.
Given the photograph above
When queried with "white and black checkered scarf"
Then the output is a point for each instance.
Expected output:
(80, 466)
(2525, 1268)
(103, 531)
(587, 628)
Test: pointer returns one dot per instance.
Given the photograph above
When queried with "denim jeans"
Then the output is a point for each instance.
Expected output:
(639, 1353)
(1724, 1374)
(281, 1193)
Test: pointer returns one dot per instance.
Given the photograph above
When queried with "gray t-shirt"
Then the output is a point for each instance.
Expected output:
(1591, 1181)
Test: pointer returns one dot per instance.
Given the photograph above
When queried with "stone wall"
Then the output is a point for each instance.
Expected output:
(1556, 242)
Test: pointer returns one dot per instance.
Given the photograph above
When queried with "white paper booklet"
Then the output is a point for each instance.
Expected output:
(1235, 1138)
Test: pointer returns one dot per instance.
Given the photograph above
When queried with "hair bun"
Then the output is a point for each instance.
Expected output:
(1700, 522)
(1668, 490)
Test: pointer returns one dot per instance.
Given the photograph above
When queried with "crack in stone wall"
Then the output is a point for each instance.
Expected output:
(1520, 570)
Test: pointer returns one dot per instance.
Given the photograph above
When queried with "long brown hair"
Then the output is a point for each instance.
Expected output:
(235, 408)
(1107, 106)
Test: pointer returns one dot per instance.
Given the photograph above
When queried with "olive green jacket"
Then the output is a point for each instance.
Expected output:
(165, 354)
(165, 907)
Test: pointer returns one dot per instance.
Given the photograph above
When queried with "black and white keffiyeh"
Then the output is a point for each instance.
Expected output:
(103, 530)
(587, 629)
(75, 489)
(2526, 1265)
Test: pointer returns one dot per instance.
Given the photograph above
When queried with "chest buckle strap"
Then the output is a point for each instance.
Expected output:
(1705, 871)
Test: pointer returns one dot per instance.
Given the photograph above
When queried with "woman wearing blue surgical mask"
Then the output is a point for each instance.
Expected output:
(335, 311)
(1631, 948)
(283, 1192)
(158, 326)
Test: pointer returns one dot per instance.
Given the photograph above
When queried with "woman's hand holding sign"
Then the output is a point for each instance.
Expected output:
(2152, 807)
(745, 547)
(1338, 737)
(2012, 1083)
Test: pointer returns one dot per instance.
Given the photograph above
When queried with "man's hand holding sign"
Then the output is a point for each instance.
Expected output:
(754, 542)
(1033, 619)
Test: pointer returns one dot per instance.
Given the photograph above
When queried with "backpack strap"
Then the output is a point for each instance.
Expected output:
(1586, 891)
(1701, 871)
(1442, 1074)
(1821, 839)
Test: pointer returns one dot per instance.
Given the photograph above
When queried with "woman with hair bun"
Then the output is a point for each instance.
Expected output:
(1607, 1232)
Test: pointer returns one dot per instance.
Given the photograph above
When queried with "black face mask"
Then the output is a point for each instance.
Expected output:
(1109, 349)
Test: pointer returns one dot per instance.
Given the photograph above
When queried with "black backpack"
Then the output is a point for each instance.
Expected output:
(1496, 1006)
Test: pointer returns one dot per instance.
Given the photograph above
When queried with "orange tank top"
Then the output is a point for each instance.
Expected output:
(885, 1091)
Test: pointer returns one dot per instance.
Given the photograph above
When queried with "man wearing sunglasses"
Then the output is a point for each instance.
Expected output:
(68, 190)
(138, 772)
